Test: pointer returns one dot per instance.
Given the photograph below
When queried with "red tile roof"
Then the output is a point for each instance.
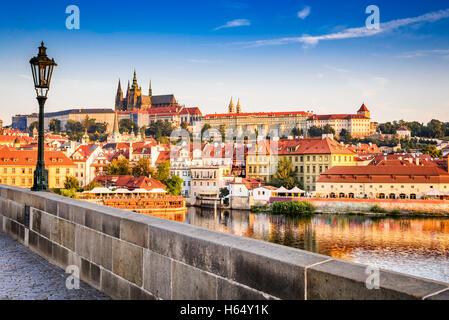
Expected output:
(258, 114)
(301, 146)
(337, 117)
(13, 157)
(130, 182)
(363, 108)
(386, 174)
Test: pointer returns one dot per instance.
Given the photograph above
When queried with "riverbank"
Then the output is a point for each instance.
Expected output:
(380, 207)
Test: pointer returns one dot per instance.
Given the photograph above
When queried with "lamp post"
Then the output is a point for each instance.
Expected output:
(42, 69)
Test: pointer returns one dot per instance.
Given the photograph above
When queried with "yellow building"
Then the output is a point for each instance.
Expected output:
(309, 158)
(260, 121)
(358, 125)
(384, 182)
(17, 167)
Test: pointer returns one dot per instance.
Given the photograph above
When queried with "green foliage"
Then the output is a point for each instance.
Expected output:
(55, 125)
(159, 129)
(377, 209)
(224, 192)
(395, 212)
(143, 168)
(297, 132)
(433, 129)
(285, 176)
(75, 130)
(327, 129)
(174, 185)
(163, 172)
(127, 125)
(292, 207)
(93, 184)
(432, 151)
(119, 167)
(184, 125)
(205, 128)
(315, 132)
(69, 193)
(33, 125)
(71, 183)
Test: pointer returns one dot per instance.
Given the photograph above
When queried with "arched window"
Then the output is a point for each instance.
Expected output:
(413, 196)
(402, 196)
(392, 196)
(381, 195)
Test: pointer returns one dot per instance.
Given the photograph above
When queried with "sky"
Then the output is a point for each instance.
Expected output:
(314, 55)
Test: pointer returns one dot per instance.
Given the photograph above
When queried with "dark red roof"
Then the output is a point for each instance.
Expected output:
(363, 108)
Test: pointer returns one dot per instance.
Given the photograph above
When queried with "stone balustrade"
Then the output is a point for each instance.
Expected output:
(132, 256)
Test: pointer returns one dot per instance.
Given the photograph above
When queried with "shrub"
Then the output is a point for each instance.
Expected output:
(292, 207)
(395, 212)
(377, 209)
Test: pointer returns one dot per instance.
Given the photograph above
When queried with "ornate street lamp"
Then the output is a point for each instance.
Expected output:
(42, 68)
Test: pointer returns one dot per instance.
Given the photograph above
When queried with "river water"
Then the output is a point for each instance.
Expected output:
(416, 246)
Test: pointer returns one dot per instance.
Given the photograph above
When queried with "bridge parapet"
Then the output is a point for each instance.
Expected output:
(132, 256)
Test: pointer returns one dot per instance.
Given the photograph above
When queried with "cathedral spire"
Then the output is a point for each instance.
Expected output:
(239, 107)
(150, 92)
(135, 85)
(119, 89)
(231, 108)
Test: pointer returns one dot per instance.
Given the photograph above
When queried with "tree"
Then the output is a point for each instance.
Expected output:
(93, 184)
(119, 167)
(285, 176)
(205, 128)
(174, 185)
(223, 132)
(74, 129)
(315, 132)
(71, 183)
(126, 125)
(163, 172)
(88, 123)
(143, 168)
(55, 125)
(160, 129)
(184, 125)
(297, 132)
(432, 151)
(345, 136)
(33, 125)
(224, 192)
(327, 129)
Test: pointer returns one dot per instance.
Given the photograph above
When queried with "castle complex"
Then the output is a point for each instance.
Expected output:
(135, 100)
(358, 125)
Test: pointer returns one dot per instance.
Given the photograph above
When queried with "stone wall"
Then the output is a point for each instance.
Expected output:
(132, 256)
(365, 205)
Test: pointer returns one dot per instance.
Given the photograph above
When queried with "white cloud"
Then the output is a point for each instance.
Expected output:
(361, 32)
(424, 53)
(234, 23)
(304, 13)
(25, 76)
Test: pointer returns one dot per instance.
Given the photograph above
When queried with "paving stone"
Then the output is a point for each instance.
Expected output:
(26, 276)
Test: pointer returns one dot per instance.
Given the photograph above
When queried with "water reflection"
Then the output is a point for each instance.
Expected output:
(410, 245)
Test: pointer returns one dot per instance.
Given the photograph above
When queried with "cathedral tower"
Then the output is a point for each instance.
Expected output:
(119, 98)
(239, 107)
(231, 108)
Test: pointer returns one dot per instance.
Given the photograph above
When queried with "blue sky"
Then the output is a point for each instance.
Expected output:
(273, 55)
